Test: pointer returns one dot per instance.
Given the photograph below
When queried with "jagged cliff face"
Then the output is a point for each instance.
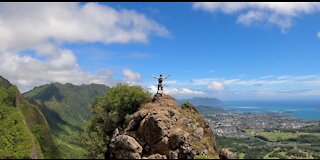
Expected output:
(162, 129)
(24, 132)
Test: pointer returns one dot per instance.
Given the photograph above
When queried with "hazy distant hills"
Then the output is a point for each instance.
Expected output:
(200, 101)
(24, 132)
(65, 107)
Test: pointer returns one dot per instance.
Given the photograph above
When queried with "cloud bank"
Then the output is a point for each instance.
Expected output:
(281, 14)
(33, 35)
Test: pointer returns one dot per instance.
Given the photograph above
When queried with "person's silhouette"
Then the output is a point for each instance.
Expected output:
(160, 80)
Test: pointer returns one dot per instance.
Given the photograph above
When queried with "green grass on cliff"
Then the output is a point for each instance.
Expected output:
(208, 140)
(16, 140)
(66, 108)
(23, 126)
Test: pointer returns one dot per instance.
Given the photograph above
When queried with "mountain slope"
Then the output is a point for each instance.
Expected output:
(66, 108)
(24, 131)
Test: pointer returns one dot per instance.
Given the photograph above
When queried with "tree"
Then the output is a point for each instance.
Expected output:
(108, 113)
(8, 96)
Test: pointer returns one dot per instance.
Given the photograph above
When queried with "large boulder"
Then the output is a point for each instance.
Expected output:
(155, 156)
(226, 154)
(124, 147)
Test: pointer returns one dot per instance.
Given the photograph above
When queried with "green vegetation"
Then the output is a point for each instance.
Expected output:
(202, 157)
(278, 136)
(16, 140)
(8, 96)
(275, 144)
(29, 129)
(188, 105)
(66, 108)
(241, 155)
(110, 112)
(39, 127)
(66, 103)
(207, 141)
(4, 83)
(250, 148)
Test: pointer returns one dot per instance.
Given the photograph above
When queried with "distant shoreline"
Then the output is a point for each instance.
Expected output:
(308, 114)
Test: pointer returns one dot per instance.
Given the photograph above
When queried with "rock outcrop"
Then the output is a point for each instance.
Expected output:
(162, 129)
(226, 154)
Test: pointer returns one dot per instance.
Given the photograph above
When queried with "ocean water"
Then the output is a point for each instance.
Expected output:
(302, 109)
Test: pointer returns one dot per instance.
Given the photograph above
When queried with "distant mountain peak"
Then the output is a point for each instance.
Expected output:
(4, 82)
(197, 101)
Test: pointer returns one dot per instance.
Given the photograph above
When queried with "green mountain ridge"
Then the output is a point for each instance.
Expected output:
(66, 108)
(24, 130)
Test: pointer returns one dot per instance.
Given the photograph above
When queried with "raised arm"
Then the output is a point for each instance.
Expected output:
(167, 76)
(154, 76)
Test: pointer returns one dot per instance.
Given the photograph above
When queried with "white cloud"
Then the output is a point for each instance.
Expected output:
(139, 55)
(283, 77)
(250, 17)
(176, 92)
(267, 77)
(173, 82)
(130, 75)
(277, 94)
(190, 92)
(215, 85)
(204, 81)
(29, 24)
(230, 81)
(276, 13)
(27, 72)
(43, 28)
(269, 80)
(265, 87)
(314, 83)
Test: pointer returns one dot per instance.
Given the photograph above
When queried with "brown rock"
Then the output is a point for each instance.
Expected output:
(162, 147)
(226, 154)
(176, 140)
(161, 129)
(186, 151)
(198, 133)
(153, 128)
(165, 101)
(155, 156)
(173, 155)
(124, 146)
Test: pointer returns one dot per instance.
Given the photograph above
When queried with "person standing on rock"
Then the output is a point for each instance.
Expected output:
(160, 80)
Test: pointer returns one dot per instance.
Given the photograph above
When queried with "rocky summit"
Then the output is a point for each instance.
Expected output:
(161, 129)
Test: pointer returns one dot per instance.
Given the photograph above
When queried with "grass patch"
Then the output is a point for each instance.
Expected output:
(16, 140)
(277, 136)
(202, 157)
(241, 155)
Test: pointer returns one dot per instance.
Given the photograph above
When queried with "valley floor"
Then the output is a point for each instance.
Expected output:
(264, 136)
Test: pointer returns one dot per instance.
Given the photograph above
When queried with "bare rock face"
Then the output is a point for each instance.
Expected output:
(198, 133)
(124, 147)
(161, 129)
(155, 156)
(226, 154)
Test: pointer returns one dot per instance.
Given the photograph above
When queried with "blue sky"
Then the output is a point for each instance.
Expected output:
(229, 51)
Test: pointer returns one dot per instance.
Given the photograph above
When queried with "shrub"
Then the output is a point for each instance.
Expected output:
(108, 113)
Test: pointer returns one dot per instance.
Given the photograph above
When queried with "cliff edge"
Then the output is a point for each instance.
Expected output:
(162, 129)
